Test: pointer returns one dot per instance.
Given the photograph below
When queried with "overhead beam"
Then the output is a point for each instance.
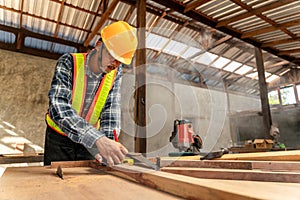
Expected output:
(95, 16)
(21, 14)
(59, 17)
(21, 34)
(28, 33)
(57, 22)
(47, 19)
(174, 33)
(253, 12)
(129, 13)
(75, 7)
(156, 21)
(103, 19)
(289, 51)
(270, 29)
(30, 51)
(279, 64)
(194, 5)
(277, 42)
(198, 16)
(263, 17)
(215, 44)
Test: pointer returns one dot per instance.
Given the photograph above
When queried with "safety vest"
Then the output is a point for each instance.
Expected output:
(79, 91)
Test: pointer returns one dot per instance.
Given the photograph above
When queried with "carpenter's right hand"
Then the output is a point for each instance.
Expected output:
(114, 152)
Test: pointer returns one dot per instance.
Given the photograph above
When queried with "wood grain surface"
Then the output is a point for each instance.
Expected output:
(41, 183)
(206, 188)
(235, 174)
(291, 155)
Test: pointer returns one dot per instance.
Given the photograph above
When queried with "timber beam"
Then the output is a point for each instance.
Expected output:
(200, 188)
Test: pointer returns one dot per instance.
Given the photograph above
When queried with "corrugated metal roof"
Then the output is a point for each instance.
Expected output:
(188, 35)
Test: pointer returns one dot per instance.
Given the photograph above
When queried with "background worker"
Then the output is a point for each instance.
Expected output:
(84, 100)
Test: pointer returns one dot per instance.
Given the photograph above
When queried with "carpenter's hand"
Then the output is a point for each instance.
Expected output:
(112, 151)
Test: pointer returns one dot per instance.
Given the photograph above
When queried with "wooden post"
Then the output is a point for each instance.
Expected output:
(140, 80)
(267, 120)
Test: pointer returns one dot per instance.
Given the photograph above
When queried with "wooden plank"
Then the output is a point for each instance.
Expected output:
(34, 183)
(206, 164)
(197, 188)
(234, 164)
(21, 159)
(293, 155)
(70, 164)
(234, 174)
(276, 166)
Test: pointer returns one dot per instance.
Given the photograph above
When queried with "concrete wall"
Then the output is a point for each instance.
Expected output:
(247, 126)
(207, 109)
(25, 80)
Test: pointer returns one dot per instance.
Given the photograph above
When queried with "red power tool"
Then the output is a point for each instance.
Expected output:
(184, 139)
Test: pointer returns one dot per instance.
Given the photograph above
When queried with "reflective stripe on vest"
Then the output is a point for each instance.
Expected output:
(79, 82)
(79, 90)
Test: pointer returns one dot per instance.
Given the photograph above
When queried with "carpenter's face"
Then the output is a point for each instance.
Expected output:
(108, 62)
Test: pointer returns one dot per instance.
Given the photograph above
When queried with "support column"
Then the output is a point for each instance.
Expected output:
(263, 87)
(140, 80)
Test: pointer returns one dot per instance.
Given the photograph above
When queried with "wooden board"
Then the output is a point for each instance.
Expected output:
(70, 164)
(101, 182)
(79, 183)
(18, 158)
(234, 164)
(234, 174)
(291, 155)
(211, 189)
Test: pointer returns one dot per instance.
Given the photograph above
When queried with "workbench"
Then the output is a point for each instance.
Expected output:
(41, 183)
(243, 177)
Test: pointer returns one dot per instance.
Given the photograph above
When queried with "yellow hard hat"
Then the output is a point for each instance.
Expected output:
(120, 40)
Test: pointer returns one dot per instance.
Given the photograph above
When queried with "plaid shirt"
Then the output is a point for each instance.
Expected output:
(60, 105)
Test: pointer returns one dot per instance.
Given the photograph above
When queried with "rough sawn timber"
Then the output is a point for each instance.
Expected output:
(42, 183)
(234, 174)
(198, 188)
(233, 164)
(290, 155)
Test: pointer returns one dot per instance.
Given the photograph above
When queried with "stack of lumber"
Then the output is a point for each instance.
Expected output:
(263, 175)
(281, 166)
